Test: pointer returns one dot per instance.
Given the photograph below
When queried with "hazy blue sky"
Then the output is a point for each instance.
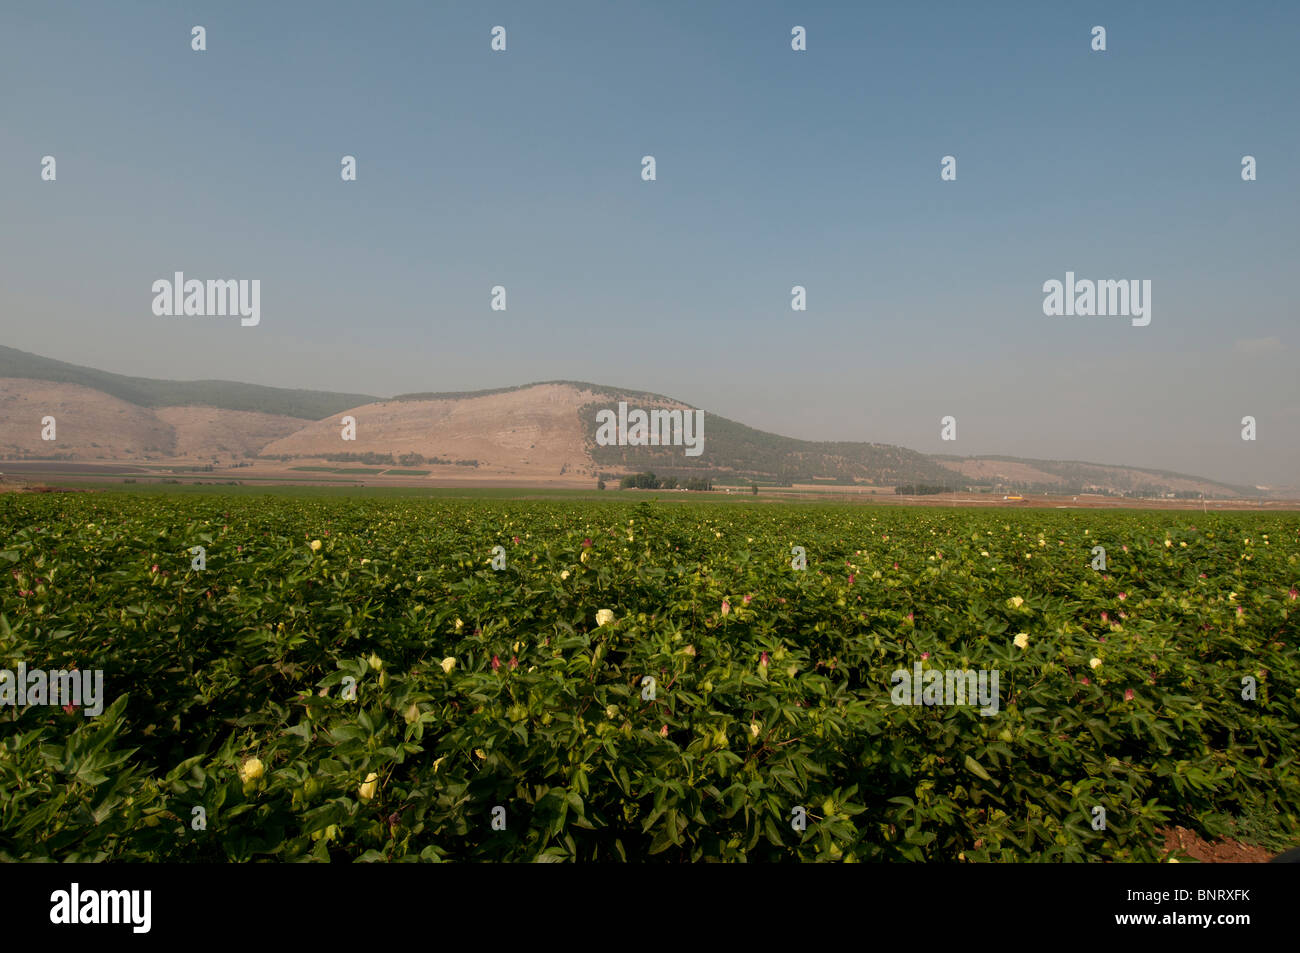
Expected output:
(775, 168)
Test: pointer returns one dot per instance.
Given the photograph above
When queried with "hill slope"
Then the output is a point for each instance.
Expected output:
(146, 392)
(532, 430)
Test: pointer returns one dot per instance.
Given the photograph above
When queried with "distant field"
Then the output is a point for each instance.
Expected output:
(774, 689)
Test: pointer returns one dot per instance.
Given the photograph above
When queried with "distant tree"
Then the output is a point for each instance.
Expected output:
(639, 481)
(753, 488)
(600, 484)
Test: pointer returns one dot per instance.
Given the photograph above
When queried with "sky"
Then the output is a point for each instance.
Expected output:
(774, 168)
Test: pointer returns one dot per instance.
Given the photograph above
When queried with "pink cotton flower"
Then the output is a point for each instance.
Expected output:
(763, 660)
(726, 607)
(850, 579)
(1105, 617)
(663, 732)
(1128, 694)
(909, 617)
(1085, 680)
(924, 656)
(1123, 596)
(1293, 592)
(496, 663)
(747, 598)
(514, 662)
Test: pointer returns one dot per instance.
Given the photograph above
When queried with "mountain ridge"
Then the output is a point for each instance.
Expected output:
(518, 430)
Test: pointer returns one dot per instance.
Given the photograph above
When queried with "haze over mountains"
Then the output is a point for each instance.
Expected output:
(542, 431)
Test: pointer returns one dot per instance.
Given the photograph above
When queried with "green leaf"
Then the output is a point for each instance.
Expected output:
(976, 769)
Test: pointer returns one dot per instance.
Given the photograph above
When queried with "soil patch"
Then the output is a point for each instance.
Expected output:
(1183, 841)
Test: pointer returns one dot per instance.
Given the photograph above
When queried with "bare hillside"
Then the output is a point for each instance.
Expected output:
(89, 424)
(93, 425)
(533, 429)
(532, 432)
(205, 432)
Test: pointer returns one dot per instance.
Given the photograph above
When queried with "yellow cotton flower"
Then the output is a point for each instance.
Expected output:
(1016, 601)
(315, 545)
(564, 575)
(604, 616)
(753, 728)
(448, 664)
(251, 770)
(1094, 663)
(367, 789)
(1022, 640)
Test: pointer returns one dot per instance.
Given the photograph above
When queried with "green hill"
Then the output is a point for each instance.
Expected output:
(740, 452)
(734, 453)
(146, 392)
